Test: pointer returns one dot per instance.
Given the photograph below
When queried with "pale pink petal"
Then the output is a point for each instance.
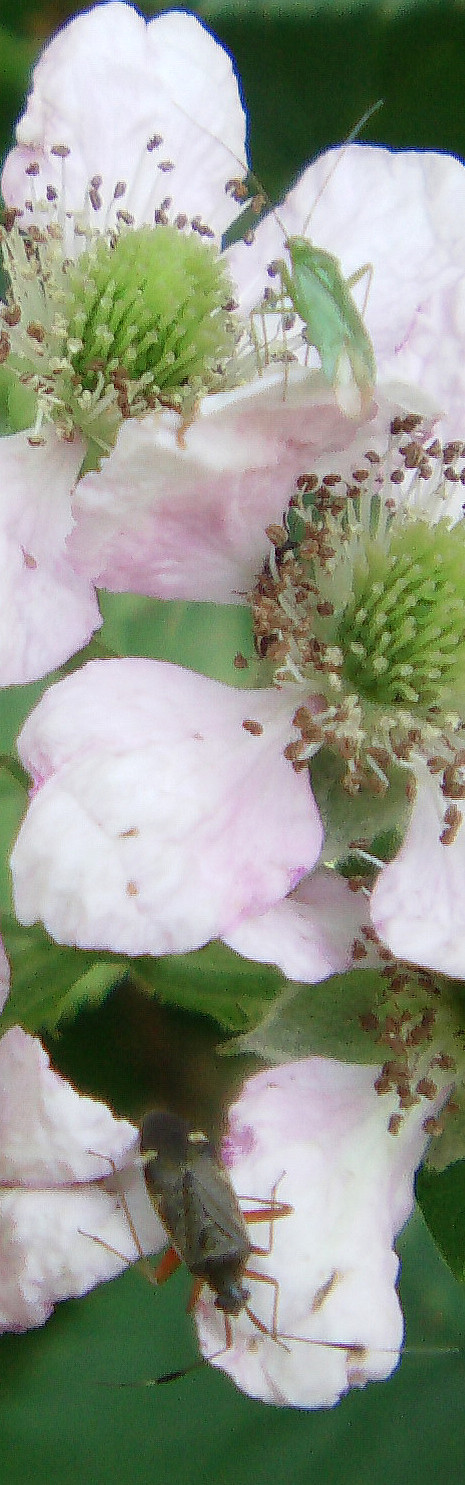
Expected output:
(49, 1134)
(107, 84)
(158, 820)
(417, 904)
(63, 1227)
(48, 610)
(310, 934)
(318, 1129)
(416, 303)
(183, 515)
(4, 976)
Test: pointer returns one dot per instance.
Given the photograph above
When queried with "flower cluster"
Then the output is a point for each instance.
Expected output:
(186, 431)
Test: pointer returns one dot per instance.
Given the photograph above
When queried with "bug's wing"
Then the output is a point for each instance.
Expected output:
(215, 1230)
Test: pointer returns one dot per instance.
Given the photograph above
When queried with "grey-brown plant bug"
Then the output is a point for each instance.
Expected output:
(195, 1200)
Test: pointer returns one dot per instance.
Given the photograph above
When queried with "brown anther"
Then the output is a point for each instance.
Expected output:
(11, 314)
(427, 1088)
(360, 475)
(434, 449)
(60, 150)
(453, 782)
(436, 764)
(29, 560)
(155, 142)
(395, 1123)
(277, 535)
(249, 238)
(397, 476)
(410, 422)
(293, 750)
(325, 610)
(240, 661)
(307, 482)
(432, 1125)
(36, 331)
(33, 169)
(255, 728)
(451, 474)
(368, 1021)
(445, 1062)
(452, 823)
(166, 166)
(4, 347)
(236, 188)
(119, 190)
(125, 216)
(95, 199)
(331, 479)
(181, 222)
(452, 451)
(132, 889)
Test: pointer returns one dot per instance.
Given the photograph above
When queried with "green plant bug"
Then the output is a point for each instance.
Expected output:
(314, 290)
(320, 295)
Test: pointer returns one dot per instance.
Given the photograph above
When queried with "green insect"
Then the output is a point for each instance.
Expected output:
(321, 297)
(313, 287)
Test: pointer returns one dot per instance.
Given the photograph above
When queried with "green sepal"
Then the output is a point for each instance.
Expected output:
(324, 1020)
(50, 983)
(213, 981)
(441, 1196)
(381, 821)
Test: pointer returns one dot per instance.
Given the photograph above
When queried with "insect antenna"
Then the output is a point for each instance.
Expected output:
(354, 134)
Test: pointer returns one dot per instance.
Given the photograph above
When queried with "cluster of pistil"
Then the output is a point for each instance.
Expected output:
(106, 323)
(362, 603)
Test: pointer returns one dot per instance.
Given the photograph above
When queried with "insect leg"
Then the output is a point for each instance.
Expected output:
(355, 278)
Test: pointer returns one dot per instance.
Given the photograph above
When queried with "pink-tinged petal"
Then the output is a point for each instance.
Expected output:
(63, 1225)
(48, 610)
(183, 514)
(417, 904)
(414, 311)
(159, 820)
(49, 1134)
(165, 79)
(316, 1132)
(4, 976)
(310, 934)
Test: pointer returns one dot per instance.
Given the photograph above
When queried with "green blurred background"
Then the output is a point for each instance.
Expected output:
(309, 72)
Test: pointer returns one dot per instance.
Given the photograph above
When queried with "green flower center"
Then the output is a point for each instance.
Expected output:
(362, 603)
(402, 633)
(141, 318)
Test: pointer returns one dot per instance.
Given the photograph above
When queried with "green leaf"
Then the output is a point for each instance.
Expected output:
(441, 1196)
(322, 1020)
(378, 820)
(49, 982)
(213, 981)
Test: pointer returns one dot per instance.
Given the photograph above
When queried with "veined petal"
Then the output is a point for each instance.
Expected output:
(417, 902)
(310, 934)
(48, 610)
(62, 1227)
(316, 1133)
(182, 514)
(166, 79)
(160, 818)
